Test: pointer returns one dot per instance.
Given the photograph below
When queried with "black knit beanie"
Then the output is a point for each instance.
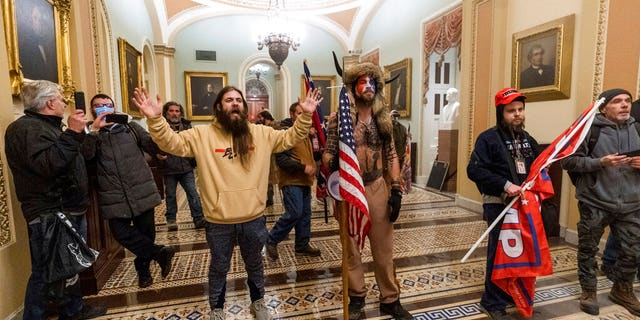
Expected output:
(609, 94)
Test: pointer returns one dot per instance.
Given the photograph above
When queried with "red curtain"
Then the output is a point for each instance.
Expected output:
(439, 36)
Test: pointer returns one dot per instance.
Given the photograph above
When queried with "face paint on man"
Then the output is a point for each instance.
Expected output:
(365, 83)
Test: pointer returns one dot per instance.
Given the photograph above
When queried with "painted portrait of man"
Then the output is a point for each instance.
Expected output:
(37, 39)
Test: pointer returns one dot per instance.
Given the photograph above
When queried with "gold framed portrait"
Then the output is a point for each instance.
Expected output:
(201, 91)
(130, 75)
(541, 67)
(398, 92)
(37, 38)
(327, 88)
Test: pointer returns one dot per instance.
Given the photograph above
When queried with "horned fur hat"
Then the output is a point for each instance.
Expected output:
(353, 72)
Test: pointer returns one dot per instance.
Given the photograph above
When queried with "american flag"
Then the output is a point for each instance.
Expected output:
(351, 186)
(321, 186)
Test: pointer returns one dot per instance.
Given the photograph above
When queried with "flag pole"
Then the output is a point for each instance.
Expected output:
(484, 235)
(344, 240)
(582, 121)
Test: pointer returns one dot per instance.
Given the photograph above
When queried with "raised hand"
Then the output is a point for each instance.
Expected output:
(151, 108)
(311, 101)
(77, 120)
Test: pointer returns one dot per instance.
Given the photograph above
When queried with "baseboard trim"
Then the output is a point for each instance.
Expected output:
(16, 315)
(468, 204)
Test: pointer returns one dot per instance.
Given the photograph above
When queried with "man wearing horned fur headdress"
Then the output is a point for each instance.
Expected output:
(380, 170)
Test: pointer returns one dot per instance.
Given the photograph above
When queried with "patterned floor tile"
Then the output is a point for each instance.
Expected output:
(428, 222)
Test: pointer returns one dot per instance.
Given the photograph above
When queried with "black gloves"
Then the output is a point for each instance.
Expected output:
(395, 201)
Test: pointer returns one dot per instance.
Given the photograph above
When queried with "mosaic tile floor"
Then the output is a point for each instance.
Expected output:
(434, 284)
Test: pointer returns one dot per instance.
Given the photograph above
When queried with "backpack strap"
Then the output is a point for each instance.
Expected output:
(592, 139)
(594, 134)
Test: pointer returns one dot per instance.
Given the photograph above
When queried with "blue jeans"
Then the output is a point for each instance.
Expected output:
(251, 237)
(188, 183)
(493, 298)
(35, 300)
(297, 206)
(610, 253)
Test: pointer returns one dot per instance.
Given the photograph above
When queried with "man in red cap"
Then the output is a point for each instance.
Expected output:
(499, 164)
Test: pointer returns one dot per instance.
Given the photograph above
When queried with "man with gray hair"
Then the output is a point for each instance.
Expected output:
(49, 175)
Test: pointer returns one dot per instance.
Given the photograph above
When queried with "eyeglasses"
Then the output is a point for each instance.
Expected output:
(103, 105)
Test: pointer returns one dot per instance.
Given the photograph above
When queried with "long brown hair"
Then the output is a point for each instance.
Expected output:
(242, 138)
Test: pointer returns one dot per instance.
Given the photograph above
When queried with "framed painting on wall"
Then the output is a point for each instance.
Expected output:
(327, 88)
(37, 38)
(541, 67)
(398, 92)
(201, 90)
(130, 75)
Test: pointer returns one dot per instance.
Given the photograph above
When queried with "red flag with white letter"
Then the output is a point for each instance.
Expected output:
(523, 252)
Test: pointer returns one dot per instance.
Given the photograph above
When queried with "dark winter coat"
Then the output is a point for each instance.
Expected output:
(126, 187)
(175, 164)
(49, 173)
(492, 160)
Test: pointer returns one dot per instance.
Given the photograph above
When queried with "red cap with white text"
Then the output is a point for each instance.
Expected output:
(507, 95)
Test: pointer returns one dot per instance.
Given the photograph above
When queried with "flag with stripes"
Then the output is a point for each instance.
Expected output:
(321, 185)
(350, 182)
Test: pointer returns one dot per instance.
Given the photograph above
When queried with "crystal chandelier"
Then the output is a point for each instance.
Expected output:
(278, 39)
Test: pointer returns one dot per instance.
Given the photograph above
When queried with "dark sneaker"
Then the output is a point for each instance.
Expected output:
(164, 259)
(356, 308)
(308, 251)
(88, 312)
(272, 251)
(199, 223)
(395, 310)
(144, 281)
(172, 226)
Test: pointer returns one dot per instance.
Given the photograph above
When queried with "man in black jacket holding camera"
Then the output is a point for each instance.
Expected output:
(50, 176)
(127, 192)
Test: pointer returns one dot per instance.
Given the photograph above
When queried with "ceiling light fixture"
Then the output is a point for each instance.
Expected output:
(278, 38)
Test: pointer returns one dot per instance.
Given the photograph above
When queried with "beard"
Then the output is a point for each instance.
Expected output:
(173, 120)
(364, 99)
(238, 127)
(518, 128)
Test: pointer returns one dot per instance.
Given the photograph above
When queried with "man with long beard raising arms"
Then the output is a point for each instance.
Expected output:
(233, 157)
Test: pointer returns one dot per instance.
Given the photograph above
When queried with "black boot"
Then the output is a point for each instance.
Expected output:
(356, 307)
(395, 310)
(164, 259)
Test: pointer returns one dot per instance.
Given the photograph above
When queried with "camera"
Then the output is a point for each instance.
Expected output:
(117, 118)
